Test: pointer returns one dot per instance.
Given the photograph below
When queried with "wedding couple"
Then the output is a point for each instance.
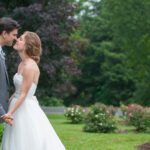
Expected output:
(27, 127)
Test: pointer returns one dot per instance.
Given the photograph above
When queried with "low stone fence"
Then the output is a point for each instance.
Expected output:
(54, 110)
(61, 110)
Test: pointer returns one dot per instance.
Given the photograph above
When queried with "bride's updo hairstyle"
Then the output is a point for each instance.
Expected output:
(33, 45)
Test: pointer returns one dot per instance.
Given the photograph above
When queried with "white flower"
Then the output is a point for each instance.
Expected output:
(96, 116)
(100, 124)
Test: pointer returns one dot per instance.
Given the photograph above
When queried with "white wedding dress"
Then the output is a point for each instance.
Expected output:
(31, 129)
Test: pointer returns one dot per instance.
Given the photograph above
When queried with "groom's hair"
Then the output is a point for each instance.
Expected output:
(8, 24)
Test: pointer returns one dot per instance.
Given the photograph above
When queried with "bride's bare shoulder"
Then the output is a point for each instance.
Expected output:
(31, 66)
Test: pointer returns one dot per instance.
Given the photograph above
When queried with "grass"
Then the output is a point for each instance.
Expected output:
(74, 138)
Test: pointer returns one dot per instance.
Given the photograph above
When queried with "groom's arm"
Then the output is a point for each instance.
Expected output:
(2, 111)
(2, 114)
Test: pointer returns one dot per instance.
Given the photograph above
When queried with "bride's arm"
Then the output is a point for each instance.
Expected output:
(28, 75)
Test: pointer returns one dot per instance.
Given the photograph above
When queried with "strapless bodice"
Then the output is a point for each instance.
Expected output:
(18, 79)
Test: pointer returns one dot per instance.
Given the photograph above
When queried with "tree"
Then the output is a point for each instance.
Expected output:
(105, 77)
(130, 23)
(54, 22)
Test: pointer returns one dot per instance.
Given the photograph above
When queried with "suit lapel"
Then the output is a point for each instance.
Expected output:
(3, 61)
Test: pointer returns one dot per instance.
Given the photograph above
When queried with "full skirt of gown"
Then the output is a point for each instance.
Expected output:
(31, 129)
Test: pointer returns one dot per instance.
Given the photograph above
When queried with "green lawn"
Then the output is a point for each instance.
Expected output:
(75, 139)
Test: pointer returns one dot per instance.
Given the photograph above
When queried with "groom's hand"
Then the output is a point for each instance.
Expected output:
(9, 121)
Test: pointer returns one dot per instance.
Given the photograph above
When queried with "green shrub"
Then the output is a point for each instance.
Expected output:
(75, 114)
(1, 132)
(51, 101)
(141, 120)
(99, 120)
(138, 116)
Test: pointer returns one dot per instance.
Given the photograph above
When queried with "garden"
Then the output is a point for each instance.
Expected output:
(102, 127)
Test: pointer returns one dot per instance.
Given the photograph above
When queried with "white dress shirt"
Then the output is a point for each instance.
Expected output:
(2, 53)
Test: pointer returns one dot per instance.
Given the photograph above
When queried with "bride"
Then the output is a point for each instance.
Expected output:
(30, 129)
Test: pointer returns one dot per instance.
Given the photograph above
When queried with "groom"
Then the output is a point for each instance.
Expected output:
(8, 33)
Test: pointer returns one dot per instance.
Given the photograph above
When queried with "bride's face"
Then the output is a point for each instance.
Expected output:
(20, 44)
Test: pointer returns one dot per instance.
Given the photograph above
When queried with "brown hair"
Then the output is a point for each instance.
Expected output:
(33, 45)
(8, 25)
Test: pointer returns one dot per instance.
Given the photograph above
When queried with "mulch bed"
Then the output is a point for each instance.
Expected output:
(145, 146)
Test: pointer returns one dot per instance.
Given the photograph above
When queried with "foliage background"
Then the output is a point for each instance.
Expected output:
(93, 51)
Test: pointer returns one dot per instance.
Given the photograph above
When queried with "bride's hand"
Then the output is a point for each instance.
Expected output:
(8, 116)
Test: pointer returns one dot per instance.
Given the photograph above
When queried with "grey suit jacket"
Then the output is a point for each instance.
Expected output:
(4, 87)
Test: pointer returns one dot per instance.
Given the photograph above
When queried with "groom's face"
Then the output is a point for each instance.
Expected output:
(20, 43)
(10, 37)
